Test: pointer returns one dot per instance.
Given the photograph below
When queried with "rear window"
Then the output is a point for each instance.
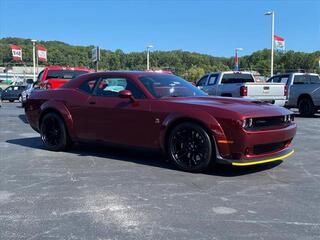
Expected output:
(236, 78)
(301, 79)
(314, 79)
(64, 74)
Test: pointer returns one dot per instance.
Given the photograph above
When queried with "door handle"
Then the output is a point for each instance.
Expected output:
(92, 103)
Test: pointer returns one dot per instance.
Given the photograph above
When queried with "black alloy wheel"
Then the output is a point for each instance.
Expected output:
(190, 147)
(53, 132)
(306, 107)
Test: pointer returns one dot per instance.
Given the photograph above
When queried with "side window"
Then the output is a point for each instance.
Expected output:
(88, 85)
(213, 79)
(314, 79)
(300, 79)
(111, 86)
(202, 81)
(284, 79)
(9, 89)
(15, 88)
(275, 79)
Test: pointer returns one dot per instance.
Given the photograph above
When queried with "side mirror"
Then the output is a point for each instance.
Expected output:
(126, 94)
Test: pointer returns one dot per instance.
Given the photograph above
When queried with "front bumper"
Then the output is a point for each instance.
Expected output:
(278, 156)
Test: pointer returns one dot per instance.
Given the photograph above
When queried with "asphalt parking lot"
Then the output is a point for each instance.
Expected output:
(98, 192)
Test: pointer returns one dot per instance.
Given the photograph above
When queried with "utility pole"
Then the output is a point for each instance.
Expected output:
(236, 59)
(34, 59)
(148, 56)
(271, 13)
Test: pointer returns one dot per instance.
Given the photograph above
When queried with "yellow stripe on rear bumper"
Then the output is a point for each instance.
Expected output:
(263, 161)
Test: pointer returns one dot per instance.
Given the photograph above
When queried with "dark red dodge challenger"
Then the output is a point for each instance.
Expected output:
(163, 112)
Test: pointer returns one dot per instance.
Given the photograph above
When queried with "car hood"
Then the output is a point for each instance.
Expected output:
(241, 107)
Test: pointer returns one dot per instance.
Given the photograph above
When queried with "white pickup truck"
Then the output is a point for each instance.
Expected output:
(242, 84)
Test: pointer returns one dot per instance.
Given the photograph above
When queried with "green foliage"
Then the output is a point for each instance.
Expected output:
(190, 65)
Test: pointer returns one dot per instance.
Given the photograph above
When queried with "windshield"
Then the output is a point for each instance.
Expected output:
(170, 86)
(236, 78)
(64, 74)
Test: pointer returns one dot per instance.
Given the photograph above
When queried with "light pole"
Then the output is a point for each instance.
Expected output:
(236, 59)
(34, 59)
(148, 56)
(271, 13)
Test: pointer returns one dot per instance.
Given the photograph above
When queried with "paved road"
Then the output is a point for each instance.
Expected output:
(105, 193)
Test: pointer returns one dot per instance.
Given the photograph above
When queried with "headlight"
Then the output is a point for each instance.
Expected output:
(247, 123)
(288, 118)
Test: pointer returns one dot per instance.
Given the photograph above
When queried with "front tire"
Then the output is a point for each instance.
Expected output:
(190, 147)
(53, 132)
(306, 107)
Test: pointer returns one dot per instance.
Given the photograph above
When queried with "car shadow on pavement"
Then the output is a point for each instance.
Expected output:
(23, 118)
(143, 157)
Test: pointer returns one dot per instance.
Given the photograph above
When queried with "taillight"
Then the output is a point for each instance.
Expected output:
(286, 90)
(243, 91)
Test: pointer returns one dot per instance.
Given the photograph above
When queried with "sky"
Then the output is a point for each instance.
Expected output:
(211, 27)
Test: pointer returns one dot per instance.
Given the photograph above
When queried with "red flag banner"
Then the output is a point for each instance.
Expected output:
(16, 52)
(279, 43)
(42, 53)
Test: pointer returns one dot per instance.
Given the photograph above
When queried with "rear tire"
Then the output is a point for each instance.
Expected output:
(190, 147)
(53, 132)
(306, 107)
(11, 100)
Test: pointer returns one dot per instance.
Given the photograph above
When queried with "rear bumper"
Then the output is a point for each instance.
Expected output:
(278, 156)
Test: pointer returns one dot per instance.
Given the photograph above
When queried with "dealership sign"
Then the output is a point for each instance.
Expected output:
(42, 53)
(95, 54)
(16, 52)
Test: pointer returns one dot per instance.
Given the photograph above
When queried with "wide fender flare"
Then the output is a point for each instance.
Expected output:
(60, 108)
(201, 117)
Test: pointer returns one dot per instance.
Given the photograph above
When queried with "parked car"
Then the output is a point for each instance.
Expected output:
(303, 90)
(55, 76)
(161, 112)
(26, 93)
(12, 93)
(243, 85)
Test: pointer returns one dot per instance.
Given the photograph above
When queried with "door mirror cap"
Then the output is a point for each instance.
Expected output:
(126, 94)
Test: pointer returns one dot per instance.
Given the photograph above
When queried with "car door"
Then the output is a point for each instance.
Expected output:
(300, 86)
(118, 120)
(211, 87)
(315, 85)
(202, 83)
(8, 93)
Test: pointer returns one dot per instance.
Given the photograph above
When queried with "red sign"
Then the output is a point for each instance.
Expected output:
(16, 52)
(42, 53)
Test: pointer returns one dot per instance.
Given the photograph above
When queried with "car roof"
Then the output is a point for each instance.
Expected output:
(126, 73)
(295, 73)
(68, 68)
(224, 72)
(131, 73)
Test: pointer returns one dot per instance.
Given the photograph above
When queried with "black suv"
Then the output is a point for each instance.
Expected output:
(12, 93)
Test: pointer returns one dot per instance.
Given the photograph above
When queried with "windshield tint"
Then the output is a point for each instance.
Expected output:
(169, 86)
(237, 78)
(64, 74)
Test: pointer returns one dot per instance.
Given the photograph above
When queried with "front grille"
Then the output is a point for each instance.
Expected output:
(267, 148)
(267, 122)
